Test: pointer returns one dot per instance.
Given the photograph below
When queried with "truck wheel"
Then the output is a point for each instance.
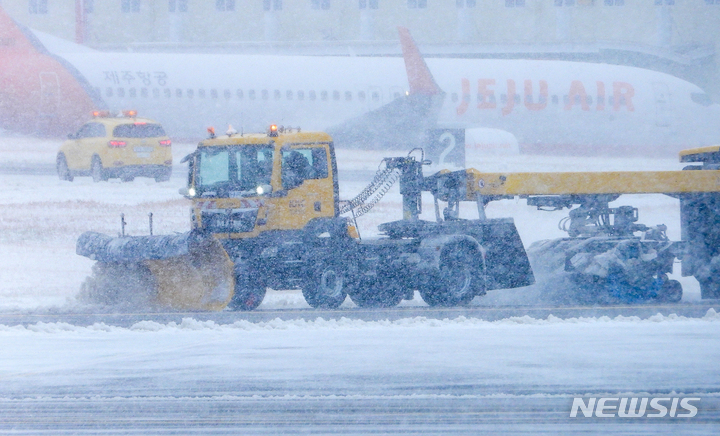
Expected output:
(380, 295)
(97, 171)
(458, 280)
(325, 286)
(709, 289)
(248, 298)
(62, 168)
(671, 291)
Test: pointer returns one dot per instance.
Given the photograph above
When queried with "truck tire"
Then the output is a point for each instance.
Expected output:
(96, 170)
(671, 292)
(458, 281)
(62, 168)
(382, 294)
(324, 287)
(709, 289)
(247, 297)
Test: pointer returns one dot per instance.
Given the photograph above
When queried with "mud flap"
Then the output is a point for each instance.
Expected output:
(189, 271)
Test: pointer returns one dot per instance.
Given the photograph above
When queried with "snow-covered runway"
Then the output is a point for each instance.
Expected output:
(418, 375)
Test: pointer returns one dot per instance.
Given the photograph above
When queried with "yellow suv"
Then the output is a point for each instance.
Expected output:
(124, 146)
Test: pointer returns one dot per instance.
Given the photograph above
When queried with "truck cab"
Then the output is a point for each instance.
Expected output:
(244, 185)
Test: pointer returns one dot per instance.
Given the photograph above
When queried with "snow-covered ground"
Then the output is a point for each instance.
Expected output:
(314, 360)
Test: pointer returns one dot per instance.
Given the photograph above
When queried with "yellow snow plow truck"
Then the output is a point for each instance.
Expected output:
(272, 202)
(266, 213)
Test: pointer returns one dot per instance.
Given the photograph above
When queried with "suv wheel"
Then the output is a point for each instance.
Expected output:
(97, 171)
(62, 168)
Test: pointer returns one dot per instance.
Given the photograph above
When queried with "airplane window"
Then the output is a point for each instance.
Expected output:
(323, 95)
(132, 93)
(213, 93)
(589, 99)
(566, 99)
(227, 94)
(301, 95)
(542, 99)
(555, 99)
(320, 4)
(289, 95)
(168, 94)
(361, 95)
(492, 98)
(577, 99)
(120, 92)
(239, 94)
(143, 92)
(600, 100)
(156, 93)
(348, 95)
(251, 94)
(529, 99)
(278, 95)
(481, 98)
(190, 93)
(311, 95)
(336, 95)
(178, 93)
(611, 100)
(517, 99)
(454, 97)
(375, 96)
(201, 93)
(503, 98)
(265, 94)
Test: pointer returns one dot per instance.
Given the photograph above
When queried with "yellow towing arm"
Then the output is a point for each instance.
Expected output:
(591, 183)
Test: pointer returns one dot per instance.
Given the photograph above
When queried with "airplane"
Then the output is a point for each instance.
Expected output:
(456, 107)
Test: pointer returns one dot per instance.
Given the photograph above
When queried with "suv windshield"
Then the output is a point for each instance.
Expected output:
(138, 130)
(234, 168)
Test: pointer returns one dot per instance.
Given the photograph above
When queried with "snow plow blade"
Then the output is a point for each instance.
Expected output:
(188, 271)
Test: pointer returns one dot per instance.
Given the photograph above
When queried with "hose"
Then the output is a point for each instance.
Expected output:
(384, 179)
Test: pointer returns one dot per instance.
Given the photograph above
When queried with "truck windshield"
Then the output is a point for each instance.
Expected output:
(234, 168)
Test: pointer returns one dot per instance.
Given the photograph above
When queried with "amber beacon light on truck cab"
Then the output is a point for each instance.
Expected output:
(116, 146)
